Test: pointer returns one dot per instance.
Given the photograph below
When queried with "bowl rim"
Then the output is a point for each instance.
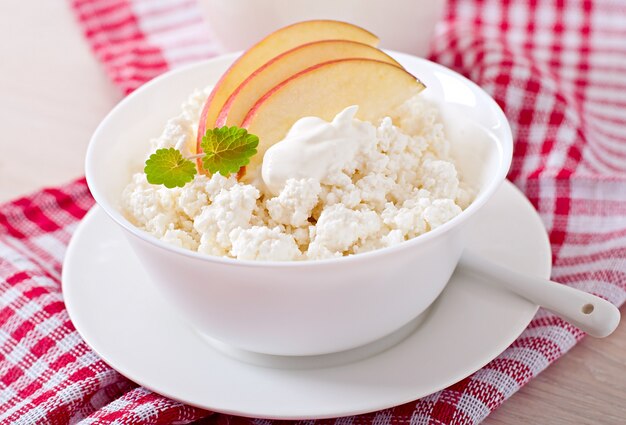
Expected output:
(504, 148)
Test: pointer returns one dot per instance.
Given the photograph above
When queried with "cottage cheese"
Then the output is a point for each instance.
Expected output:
(396, 183)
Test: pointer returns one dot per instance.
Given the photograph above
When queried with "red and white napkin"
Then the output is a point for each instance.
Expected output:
(558, 69)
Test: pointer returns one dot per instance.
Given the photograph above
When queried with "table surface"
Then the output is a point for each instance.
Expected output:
(53, 93)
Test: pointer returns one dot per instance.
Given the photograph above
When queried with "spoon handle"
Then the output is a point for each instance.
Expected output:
(592, 314)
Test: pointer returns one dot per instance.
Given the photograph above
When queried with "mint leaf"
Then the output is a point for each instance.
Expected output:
(169, 168)
(227, 149)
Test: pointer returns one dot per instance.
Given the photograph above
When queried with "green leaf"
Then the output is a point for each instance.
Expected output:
(227, 149)
(169, 168)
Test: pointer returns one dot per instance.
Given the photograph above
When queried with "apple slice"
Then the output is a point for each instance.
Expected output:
(273, 45)
(284, 66)
(324, 90)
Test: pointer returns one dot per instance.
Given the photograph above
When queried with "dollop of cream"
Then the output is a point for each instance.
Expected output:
(315, 149)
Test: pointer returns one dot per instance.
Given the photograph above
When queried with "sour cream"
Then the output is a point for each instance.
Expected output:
(314, 149)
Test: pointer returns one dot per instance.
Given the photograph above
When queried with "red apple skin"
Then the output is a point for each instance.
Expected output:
(287, 64)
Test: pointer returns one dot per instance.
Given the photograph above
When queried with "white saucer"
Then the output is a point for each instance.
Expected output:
(121, 316)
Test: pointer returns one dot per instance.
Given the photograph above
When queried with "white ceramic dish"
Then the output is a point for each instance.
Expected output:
(122, 316)
(311, 307)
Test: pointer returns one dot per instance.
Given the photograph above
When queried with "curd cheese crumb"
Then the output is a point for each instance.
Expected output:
(153, 208)
(339, 228)
(263, 243)
(295, 202)
(440, 179)
(231, 209)
(181, 239)
(440, 212)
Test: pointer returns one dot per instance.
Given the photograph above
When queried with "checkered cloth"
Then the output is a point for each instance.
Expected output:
(558, 69)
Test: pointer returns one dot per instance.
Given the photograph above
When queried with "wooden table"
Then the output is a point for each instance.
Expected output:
(53, 93)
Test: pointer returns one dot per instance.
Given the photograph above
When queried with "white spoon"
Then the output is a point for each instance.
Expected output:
(592, 314)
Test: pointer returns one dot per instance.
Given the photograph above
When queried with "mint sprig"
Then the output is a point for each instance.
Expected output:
(225, 151)
(169, 168)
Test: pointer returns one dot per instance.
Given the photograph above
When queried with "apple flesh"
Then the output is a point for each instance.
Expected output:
(286, 65)
(324, 90)
(274, 44)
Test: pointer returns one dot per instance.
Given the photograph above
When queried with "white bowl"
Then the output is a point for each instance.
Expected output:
(308, 307)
